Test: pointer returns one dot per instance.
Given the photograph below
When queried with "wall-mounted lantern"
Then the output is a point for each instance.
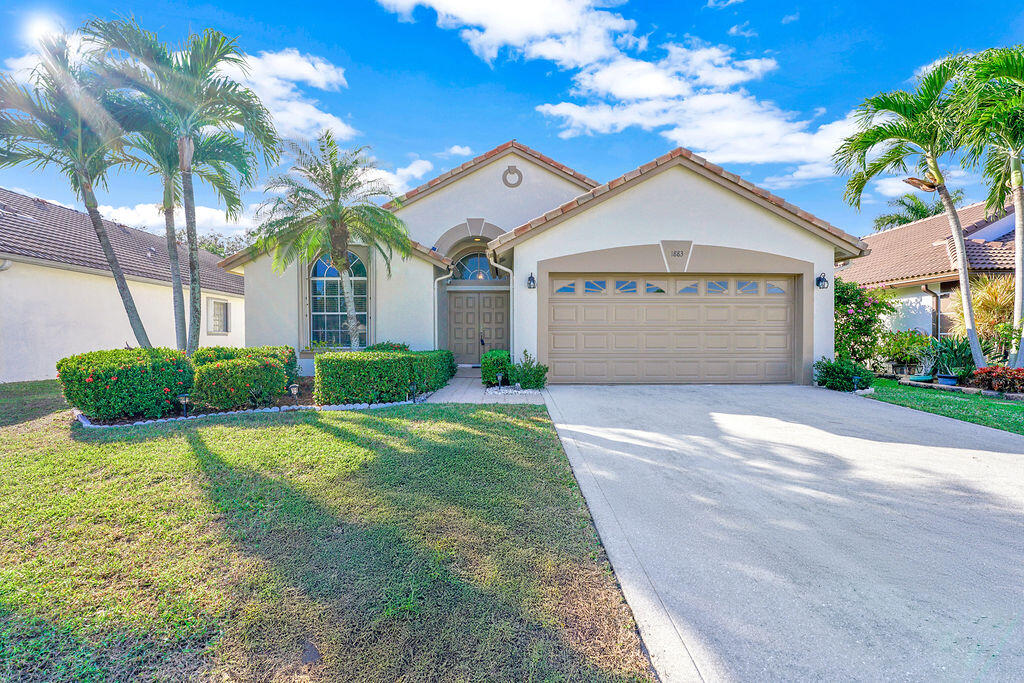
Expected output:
(821, 282)
(531, 282)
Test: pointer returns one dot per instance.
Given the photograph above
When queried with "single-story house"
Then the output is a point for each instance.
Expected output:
(918, 261)
(59, 297)
(677, 271)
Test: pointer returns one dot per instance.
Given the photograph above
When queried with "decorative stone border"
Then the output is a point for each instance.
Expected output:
(86, 422)
(962, 390)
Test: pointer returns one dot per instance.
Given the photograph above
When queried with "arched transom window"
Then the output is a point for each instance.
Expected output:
(474, 266)
(328, 324)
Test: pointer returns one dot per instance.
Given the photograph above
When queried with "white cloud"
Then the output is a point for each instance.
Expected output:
(456, 151)
(790, 18)
(719, 4)
(20, 68)
(742, 30)
(691, 92)
(891, 187)
(279, 78)
(149, 217)
(402, 179)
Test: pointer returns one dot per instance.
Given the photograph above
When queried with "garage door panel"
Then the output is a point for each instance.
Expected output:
(622, 328)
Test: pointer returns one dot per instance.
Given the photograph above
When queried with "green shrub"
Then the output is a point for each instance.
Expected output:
(839, 374)
(123, 383)
(388, 346)
(361, 377)
(284, 354)
(239, 383)
(431, 370)
(529, 374)
(859, 323)
(904, 347)
(952, 356)
(491, 363)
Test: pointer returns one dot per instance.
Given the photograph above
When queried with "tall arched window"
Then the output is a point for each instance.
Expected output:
(328, 325)
(474, 266)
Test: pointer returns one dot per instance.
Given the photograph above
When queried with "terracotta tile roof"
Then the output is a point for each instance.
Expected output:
(39, 229)
(421, 250)
(922, 249)
(983, 255)
(677, 155)
(416, 192)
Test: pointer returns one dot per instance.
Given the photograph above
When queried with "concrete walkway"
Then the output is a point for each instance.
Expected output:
(466, 387)
(793, 533)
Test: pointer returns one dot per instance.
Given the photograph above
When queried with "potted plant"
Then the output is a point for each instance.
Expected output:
(952, 359)
(904, 351)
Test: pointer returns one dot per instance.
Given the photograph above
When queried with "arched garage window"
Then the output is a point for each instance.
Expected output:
(328, 324)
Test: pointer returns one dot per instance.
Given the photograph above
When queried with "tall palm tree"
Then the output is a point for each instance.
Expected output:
(900, 127)
(327, 200)
(992, 121)
(61, 121)
(221, 160)
(912, 208)
(190, 94)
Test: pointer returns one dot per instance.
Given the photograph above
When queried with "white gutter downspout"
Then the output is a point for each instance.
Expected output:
(5, 264)
(511, 303)
(447, 275)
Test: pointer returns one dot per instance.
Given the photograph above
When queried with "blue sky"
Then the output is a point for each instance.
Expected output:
(763, 88)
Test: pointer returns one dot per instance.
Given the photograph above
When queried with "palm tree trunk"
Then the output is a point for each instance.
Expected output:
(91, 206)
(339, 255)
(1017, 195)
(186, 147)
(962, 267)
(177, 297)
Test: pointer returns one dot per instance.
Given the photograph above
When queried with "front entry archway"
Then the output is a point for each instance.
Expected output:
(478, 321)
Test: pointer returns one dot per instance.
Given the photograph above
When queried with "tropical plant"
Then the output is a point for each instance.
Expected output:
(189, 94)
(61, 121)
(859, 320)
(992, 297)
(328, 200)
(912, 208)
(221, 160)
(992, 122)
(898, 127)
(903, 347)
(953, 357)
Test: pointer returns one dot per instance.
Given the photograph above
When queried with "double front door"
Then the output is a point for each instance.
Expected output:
(477, 322)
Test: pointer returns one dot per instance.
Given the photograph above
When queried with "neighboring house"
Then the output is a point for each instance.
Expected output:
(918, 261)
(677, 271)
(59, 297)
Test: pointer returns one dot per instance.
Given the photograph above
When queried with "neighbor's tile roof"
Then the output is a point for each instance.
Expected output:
(39, 229)
(486, 156)
(735, 181)
(924, 249)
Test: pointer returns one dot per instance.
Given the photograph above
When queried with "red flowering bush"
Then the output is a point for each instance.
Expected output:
(239, 383)
(284, 354)
(999, 378)
(122, 383)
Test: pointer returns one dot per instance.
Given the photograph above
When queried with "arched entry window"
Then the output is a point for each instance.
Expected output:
(328, 325)
(474, 266)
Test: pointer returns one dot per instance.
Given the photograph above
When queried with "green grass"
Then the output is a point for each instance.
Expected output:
(417, 543)
(983, 410)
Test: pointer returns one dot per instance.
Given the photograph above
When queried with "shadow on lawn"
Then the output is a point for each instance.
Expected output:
(354, 589)
(26, 401)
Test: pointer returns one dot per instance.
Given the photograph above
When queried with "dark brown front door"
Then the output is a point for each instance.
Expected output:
(477, 322)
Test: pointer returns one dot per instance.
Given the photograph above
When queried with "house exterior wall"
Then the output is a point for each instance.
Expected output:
(914, 309)
(50, 312)
(676, 204)
(402, 305)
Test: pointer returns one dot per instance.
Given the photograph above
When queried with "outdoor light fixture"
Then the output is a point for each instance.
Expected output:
(183, 400)
(531, 282)
(821, 282)
(294, 388)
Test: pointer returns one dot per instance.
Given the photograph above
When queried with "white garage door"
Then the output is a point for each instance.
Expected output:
(626, 328)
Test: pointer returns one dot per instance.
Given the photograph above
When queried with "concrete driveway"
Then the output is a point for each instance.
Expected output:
(784, 532)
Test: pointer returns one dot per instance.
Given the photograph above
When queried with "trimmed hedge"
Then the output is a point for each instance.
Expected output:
(239, 383)
(388, 346)
(491, 363)
(378, 376)
(284, 354)
(122, 383)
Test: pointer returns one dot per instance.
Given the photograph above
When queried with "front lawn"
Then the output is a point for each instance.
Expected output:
(416, 543)
(983, 410)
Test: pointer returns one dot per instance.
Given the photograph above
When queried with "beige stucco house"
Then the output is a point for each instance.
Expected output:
(677, 271)
(59, 298)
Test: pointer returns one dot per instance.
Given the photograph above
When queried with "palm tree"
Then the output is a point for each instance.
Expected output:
(151, 147)
(900, 127)
(992, 120)
(190, 94)
(912, 208)
(61, 121)
(328, 200)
